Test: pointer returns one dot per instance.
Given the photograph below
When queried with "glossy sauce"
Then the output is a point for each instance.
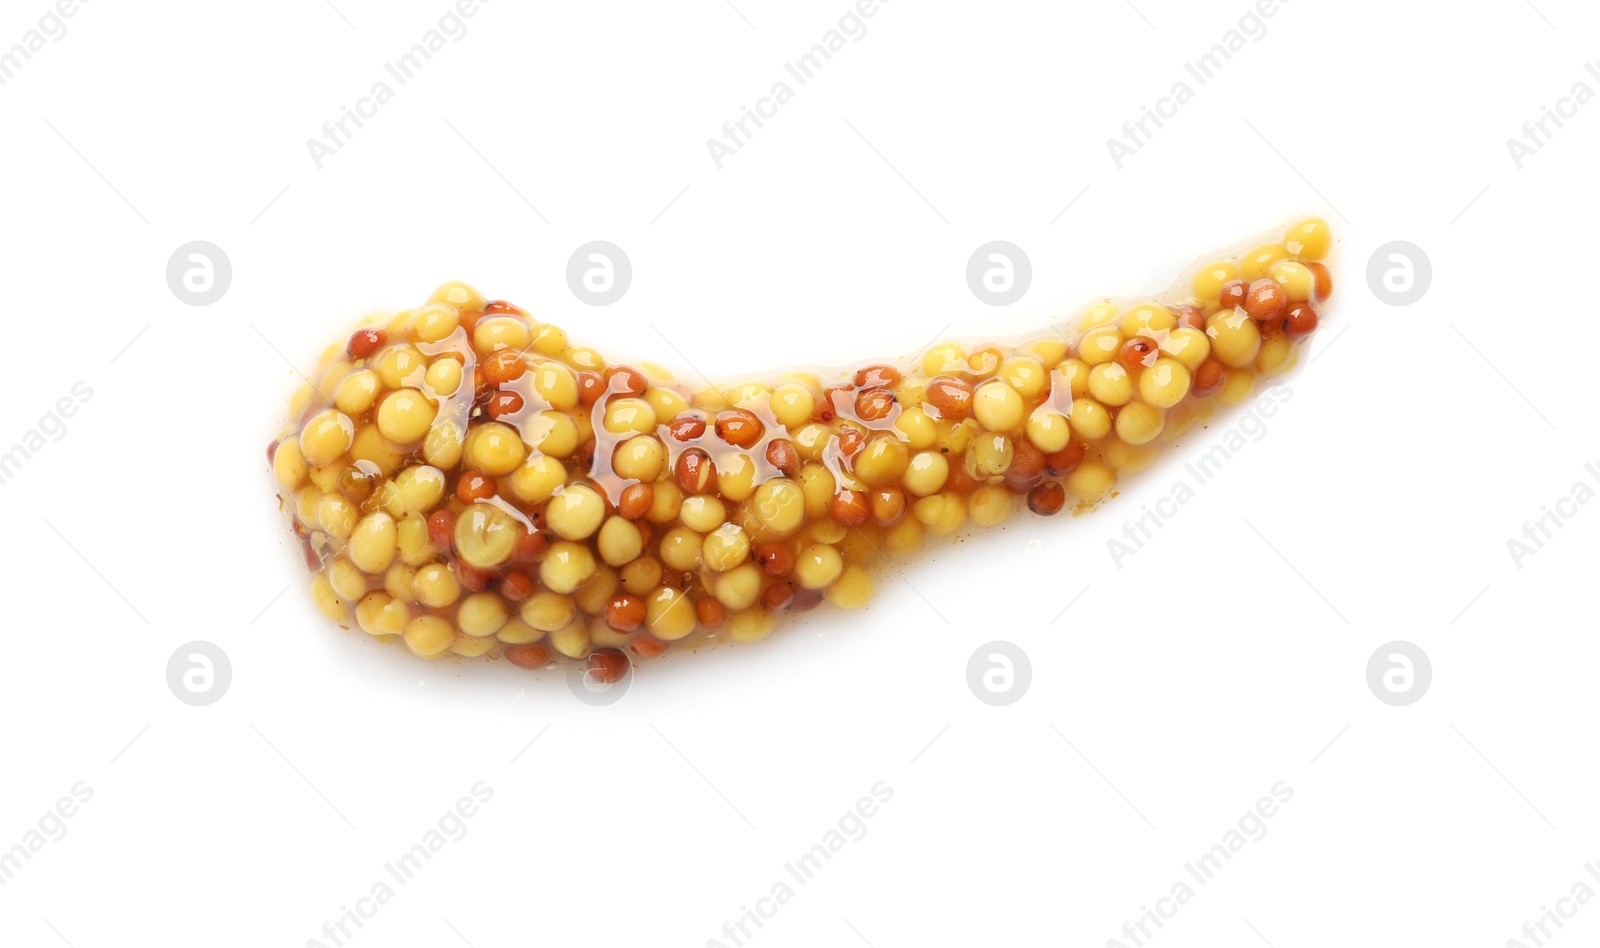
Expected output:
(466, 481)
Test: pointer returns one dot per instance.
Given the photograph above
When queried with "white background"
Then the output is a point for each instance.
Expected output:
(1226, 656)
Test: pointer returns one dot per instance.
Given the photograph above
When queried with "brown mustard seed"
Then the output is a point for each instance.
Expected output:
(696, 471)
(878, 376)
(531, 547)
(711, 613)
(474, 486)
(636, 501)
(849, 508)
(687, 426)
(504, 365)
(608, 665)
(1300, 320)
(1138, 353)
(516, 586)
(365, 342)
(1190, 317)
(1027, 467)
(777, 596)
(834, 400)
(531, 655)
(1047, 500)
(805, 600)
(851, 441)
(775, 558)
(1208, 379)
(646, 647)
(590, 387)
(625, 380)
(476, 579)
(739, 428)
(1233, 293)
(1266, 299)
(1323, 280)
(951, 396)
(625, 612)
(874, 404)
(960, 480)
(781, 454)
(1065, 461)
(503, 403)
(442, 528)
